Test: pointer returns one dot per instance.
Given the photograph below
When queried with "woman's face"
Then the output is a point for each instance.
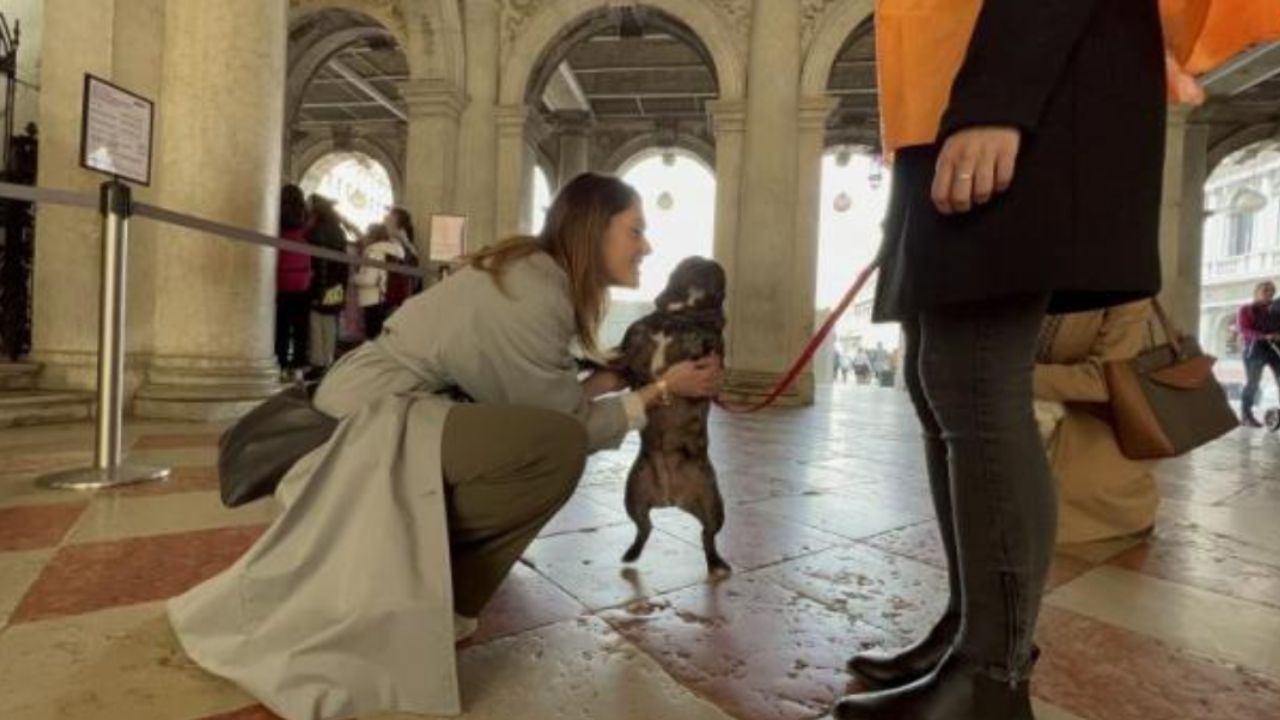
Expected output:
(1266, 293)
(625, 247)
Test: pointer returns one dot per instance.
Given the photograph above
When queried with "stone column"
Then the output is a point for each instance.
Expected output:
(573, 128)
(729, 124)
(121, 42)
(477, 170)
(515, 171)
(218, 157)
(1182, 218)
(762, 305)
(431, 162)
(814, 112)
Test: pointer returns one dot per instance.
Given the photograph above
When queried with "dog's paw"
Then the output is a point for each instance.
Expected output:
(631, 555)
(719, 570)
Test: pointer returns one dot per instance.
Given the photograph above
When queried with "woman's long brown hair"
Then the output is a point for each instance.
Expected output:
(574, 237)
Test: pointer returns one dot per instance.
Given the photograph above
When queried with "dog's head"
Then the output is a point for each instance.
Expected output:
(696, 284)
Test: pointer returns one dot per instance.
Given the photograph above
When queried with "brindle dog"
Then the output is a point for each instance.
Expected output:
(673, 468)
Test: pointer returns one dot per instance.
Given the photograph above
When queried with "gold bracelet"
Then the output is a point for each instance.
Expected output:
(664, 392)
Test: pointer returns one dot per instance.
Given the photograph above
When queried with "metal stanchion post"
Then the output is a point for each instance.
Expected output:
(108, 470)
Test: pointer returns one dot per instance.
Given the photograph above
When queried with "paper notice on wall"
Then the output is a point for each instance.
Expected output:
(448, 237)
(116, 131)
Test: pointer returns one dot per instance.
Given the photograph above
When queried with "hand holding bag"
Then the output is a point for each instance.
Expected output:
(255, 453)
(1166, 401)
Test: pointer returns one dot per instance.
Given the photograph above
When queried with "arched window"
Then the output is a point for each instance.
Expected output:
(541, 199)
(358, 184)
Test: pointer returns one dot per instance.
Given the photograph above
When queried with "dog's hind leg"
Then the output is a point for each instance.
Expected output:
(639, 488)
(709, 509)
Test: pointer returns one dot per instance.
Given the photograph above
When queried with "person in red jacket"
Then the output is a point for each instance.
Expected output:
(293, 284)
(1259, 326)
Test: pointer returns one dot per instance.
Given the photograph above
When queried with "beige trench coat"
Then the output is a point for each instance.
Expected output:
(1102, 494)
(344, 607)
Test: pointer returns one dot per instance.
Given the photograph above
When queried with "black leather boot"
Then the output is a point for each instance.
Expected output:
(956, 691)
(910, 664)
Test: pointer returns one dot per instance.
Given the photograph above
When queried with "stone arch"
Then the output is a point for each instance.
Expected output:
(309, 55)
(1239, 140)
(834, 30)
(311, 153)
(645, 145)
(387, 14)
(540, 34)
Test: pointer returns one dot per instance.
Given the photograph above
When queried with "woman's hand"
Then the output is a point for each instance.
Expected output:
(973, 166)
(695, 379)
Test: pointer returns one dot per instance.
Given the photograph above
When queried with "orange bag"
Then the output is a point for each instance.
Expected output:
(1203, 34)
(921, 45)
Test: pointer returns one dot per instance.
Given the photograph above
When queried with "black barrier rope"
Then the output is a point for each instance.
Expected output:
(231, 232)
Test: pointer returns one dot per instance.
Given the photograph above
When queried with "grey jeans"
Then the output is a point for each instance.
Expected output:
(969, 372)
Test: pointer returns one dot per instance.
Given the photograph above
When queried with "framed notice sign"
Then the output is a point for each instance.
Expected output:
(448, 237)
(116, 131)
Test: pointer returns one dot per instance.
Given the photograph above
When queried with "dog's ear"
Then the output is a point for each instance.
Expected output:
(719, 289)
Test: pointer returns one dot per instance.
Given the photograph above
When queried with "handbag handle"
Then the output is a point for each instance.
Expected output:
(1171, 332)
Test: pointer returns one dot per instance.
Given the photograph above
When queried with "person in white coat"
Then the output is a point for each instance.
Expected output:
(398, 531)
(371, 282)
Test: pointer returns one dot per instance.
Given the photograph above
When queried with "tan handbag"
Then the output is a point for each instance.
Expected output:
(1166, 401)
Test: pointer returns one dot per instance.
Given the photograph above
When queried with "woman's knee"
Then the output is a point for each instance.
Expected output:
(566, 450)
(562, 445)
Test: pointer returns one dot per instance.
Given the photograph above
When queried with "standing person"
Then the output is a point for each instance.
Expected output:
(293, 284)
(371, 282)
(328, 286)
(1028, 143)
(1259, 326)
(401, 287)
(397, 532)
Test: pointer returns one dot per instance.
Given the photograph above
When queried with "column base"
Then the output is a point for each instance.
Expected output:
(751, 386)
(77, 370)
(204, 391)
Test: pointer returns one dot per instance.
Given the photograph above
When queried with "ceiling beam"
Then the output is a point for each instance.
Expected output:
(1244, 72)
(367, 88)
(564, 92)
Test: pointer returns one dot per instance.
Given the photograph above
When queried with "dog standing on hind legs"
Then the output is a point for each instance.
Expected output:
(674, 468)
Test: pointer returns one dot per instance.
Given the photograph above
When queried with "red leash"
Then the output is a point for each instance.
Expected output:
(809, 350)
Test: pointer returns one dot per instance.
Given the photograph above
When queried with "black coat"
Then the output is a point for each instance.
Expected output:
(1084, 80)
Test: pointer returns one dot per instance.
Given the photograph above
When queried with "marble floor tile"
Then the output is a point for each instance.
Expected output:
(181, 480)
(576, 669)
(17, 571)
(253, 712)
(757, 649)
(202, 455)
(1042, 709)
(898, 595)
(584, 513)
(116, 664)
(1187, 554)
(111, 517)
(38, 526)
(919, 542)
(848, 517)
(525, 601)
(84, 578)
(589, 565)
(751, 538)
(160, 441)
(1203, 622)
(1100, 671)
(1252, 526)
